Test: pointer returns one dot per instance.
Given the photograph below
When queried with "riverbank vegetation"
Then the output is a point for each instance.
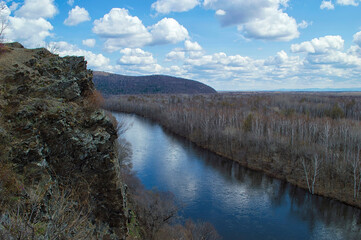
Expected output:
(312, 140)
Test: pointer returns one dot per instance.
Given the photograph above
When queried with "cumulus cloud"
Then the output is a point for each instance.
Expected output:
(192, 46)
(168, 30)
(320, 62)
(138, 61)
(191, 50)
(97, 61)
(89, 42)
(120, 29)
(136, 56)
(327, 5)
(35, 9)
(257, 19)
(31, 32)
(118, 23)
(77, 15)
(34, 36)
(167, 6)
(319, 45)
(175, 55)
(357, 39)
(70, 2)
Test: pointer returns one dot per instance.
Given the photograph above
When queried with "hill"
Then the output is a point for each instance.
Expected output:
(114, 84)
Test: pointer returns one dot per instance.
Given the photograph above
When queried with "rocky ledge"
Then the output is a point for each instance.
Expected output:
(50, 128)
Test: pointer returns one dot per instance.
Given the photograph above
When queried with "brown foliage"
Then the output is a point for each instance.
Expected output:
(95, 100)
(3, 49)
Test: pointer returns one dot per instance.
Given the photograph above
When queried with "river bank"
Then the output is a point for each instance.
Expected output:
(285, 156)
(239, 202)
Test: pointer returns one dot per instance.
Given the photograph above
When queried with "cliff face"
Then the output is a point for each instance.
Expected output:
(50, 126)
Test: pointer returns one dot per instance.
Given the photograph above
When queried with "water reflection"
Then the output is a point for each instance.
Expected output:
(241, 203)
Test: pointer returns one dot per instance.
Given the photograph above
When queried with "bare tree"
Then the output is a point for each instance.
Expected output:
(311, 171)
(3, 19)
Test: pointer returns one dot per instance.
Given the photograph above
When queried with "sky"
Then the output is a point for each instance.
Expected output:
(231, 45)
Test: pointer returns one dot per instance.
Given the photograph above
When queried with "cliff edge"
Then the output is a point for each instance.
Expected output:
(52, 134)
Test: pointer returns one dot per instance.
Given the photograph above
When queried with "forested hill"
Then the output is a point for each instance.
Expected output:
(114, 84)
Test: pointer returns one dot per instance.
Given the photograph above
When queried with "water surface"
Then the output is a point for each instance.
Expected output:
(240, 203)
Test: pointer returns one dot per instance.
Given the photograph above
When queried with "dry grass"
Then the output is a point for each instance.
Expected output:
(46, 211)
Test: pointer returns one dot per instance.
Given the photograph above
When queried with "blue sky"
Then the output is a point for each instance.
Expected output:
(228, 44)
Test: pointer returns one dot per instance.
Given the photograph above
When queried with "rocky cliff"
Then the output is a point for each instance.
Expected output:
(52, 131)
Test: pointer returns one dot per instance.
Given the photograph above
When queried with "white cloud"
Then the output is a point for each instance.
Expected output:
(70, 2)
(275, 27)
(14, 6)
(322, 62)
(118, 23)
(5, 11)
(336, 59)
(167, 6)
(30, 32)
(319, 45)
(304, 24)
(89, 42)
(136, 56)
(120, 29)
(327, 5)
(220, 12)
(192, 46)
(97, 61)
(168, 30)
(35, 9)
(357, 38)
(175, 55)
(330, 6)
(348, 2)
(137, 61)
(34, 36)
(257, 19)
(77, 15)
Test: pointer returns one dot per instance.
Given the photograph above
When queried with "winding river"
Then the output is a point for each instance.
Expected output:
(240, 203)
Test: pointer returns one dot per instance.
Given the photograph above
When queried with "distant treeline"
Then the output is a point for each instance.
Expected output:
(310, 139)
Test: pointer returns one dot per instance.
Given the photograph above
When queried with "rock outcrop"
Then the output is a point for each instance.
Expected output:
(49, 125)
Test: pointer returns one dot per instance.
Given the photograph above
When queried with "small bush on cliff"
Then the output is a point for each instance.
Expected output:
(95, 100)
(10, 186)
(46, 212)
(3, 49)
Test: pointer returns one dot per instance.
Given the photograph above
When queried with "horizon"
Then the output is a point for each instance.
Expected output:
(263, 45)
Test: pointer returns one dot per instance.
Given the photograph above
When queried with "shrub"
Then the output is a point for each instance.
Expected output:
(3, 49)
(95, 100)
(46, 212)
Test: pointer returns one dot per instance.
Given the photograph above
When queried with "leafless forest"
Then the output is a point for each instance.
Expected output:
(312, 140)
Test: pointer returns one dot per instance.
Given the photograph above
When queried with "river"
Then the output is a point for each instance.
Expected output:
(240, 203)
